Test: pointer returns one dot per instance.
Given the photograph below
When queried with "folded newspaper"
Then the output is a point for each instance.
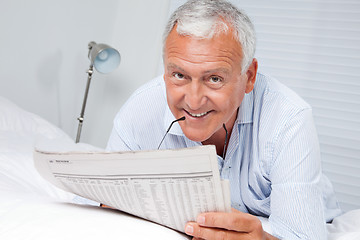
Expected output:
(169, 187)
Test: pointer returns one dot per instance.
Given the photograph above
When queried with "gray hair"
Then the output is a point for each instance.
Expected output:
(208, 18)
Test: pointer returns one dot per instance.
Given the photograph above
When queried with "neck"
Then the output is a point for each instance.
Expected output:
(218, 138)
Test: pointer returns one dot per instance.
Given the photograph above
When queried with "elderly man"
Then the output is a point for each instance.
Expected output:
(263, 132)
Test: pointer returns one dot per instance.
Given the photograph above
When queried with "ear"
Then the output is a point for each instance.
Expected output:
(251, 75)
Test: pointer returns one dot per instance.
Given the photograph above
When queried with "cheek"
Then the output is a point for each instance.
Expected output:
(174, 94)
(230, 100)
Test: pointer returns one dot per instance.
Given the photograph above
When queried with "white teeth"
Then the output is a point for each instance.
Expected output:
(198, 115)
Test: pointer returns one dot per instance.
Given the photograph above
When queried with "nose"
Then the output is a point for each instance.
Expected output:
(195, 96)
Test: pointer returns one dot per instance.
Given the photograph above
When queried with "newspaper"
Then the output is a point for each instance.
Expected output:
(169, 187)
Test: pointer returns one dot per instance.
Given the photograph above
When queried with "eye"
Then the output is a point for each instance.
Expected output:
(215, 79)
(178, 75)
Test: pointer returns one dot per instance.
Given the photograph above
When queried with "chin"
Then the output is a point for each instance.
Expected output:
(196, 137)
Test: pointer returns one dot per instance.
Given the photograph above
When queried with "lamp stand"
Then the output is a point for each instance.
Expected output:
(81, 118)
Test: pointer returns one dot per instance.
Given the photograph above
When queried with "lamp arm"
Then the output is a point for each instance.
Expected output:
(81, 118)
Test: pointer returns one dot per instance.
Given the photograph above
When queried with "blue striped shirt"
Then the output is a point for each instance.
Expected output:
(272, 160)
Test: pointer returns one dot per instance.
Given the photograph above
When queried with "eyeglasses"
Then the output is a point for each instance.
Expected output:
(177, 120)
(182, 119)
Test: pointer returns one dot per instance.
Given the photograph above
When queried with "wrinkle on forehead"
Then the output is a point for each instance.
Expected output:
(222, 48)
(224, 60)
(172, 66)
(176, 54)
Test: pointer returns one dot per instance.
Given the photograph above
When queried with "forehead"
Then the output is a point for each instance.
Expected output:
(221, 49)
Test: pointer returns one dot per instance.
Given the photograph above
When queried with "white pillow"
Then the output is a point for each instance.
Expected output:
(19, 131)
(14, 118)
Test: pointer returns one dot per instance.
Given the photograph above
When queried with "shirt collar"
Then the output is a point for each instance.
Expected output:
(168, 119)
(246, 109)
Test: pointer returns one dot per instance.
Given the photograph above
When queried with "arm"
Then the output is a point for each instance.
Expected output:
(297, 210)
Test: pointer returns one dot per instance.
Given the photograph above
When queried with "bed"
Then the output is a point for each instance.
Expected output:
(31, 208)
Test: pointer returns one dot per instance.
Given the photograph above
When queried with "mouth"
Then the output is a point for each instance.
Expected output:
(197, 115)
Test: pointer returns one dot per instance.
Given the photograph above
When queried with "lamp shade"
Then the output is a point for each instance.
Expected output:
(104, 58)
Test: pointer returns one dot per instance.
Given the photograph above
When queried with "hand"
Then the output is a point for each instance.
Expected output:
(221, 225)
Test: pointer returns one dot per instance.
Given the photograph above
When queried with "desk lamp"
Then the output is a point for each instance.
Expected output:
(105, 59)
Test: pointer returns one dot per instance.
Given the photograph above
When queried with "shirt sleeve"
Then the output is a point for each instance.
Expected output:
(297, 210)
(122, 134)
(116, 142)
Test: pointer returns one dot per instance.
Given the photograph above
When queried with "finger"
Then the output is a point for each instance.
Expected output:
(235, 210)
(199, 232)
(235, 221)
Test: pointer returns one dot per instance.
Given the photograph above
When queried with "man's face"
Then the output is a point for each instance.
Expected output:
(204, 82)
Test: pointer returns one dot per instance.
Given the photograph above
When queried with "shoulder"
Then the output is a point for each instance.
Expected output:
(146, 103)
(146, 97)
(270, 89)
(149, 90)
(282, 120)
(276, 103)
(140, 119)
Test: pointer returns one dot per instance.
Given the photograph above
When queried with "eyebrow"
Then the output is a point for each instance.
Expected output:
(172, 65)
(220, 69)
(223, 70)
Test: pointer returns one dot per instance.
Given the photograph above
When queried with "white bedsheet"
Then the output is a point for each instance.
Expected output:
(31, 208)
(36, 218)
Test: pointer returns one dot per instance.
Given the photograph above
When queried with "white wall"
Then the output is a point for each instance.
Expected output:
(43, 57)
(137, 34)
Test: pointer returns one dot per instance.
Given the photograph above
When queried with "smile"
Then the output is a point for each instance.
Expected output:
(197, 115)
